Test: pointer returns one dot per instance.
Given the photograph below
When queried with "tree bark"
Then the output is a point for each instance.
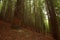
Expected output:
(19, 9)
(9, 13)
(18, 14)
(52, 19)
(3, 11)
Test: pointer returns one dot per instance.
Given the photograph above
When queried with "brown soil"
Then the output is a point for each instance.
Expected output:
(6, 33)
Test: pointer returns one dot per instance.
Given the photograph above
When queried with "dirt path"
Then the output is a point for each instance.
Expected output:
(22, 34)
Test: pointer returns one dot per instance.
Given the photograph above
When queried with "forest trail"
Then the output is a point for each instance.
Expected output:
(6, 33)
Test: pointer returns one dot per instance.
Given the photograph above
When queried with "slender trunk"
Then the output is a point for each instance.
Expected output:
(3, 11)
(39, 22)
(9, 11)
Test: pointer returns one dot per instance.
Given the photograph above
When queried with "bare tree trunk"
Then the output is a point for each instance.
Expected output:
(3, 11)
(39, 22)
(9, 11)
(19, 10)
(52, 19)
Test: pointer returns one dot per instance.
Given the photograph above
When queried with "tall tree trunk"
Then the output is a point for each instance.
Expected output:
(39, 22)
(19, 10)
(3, 11)
(52, 19)
(9, 11)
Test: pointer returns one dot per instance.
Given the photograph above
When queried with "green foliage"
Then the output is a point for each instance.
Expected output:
(0, 5)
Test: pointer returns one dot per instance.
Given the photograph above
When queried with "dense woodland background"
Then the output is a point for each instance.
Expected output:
(40, 15)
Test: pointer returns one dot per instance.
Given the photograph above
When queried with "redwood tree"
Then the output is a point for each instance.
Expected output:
(52, 19)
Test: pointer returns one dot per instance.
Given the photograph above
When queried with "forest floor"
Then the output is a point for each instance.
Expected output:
(21, 34)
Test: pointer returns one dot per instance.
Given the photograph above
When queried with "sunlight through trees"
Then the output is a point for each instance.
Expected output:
(40, 15)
